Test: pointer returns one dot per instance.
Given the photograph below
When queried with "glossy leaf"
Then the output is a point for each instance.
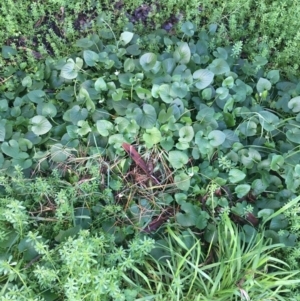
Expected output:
(203, 77)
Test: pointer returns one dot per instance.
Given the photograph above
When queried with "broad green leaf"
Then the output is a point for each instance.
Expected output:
(242, 189)
(40, 125)
(182, 54)
(36, 96)
(58, 153)
(248, 128)
(148, 61)
(100, 85)
(75, 114)
(117, 94)
(216, 138)
(151, 137)
(279, 222)
(27, 81)
(228, 82)
(46, 109)
(178, 159)
(104, 127)
(190, 216)
(188, 28)
(3, 105)
(258, 186)
(268, 120)
(84, 43)
(182, 181)
(126, 37)
(249, 157)
(219, 66)
(294, 135)
(294, 104)
(10, 148)
(164, 92)
(69, 70)
(277, 162)
(145, 117)
(236, 175)
(263, 85)
(83, 128)
(143, 94)
(2, 131)
(91, 58)
(203, 77)
(179, 89)
(273, 76)
(167, 143)
(222, 92)
(186, 134)
(8, 51)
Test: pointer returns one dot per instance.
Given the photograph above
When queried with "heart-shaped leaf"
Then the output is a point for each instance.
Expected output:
(90, 57)
(126, 37)
(104, 127)
(219, 66)
(148, 61)
(263, 85)
(216, 138)
(10, 148)
(182, 54)
(236, 175)
(182, 181)
(203, 77)
(40, 125)
(294, 104)
(178, 159)
(145, 117)
(242, 190)
(151, 137)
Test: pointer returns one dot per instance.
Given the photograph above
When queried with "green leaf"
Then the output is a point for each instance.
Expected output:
(279, 222)
(40, 125)
(203, 77)
(182, 54)
(91, 58)
(216, 138)
(236, 175)
(46, 109)
(10, 148)
(84, 128)
(182, 181)
(58, 153)
(104, 127)
(188, 28)
(100, 85)
(190, 217)
(248, 128)
(242, 190)
(164, 92)
(167, 143)
(8, 51)
(263, 85)
(273, 76)
(277, 162)
(3, 105)
(294, 104)
(145, 117)
(268, 120)
(143, 94)
(84, 43)
(179, 89)
(148, 61)
(36, 96)
(69, 70)
(178, 159)
(2, 131)
(219, 66)
(294, 135)
(151, 137)
(186, 134)
(117, 94)
(126, 37)
(27, 81)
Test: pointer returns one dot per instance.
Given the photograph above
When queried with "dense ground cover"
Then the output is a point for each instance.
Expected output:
(148, 165)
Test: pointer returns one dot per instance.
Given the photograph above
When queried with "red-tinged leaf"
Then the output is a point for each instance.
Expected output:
(136, 157)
